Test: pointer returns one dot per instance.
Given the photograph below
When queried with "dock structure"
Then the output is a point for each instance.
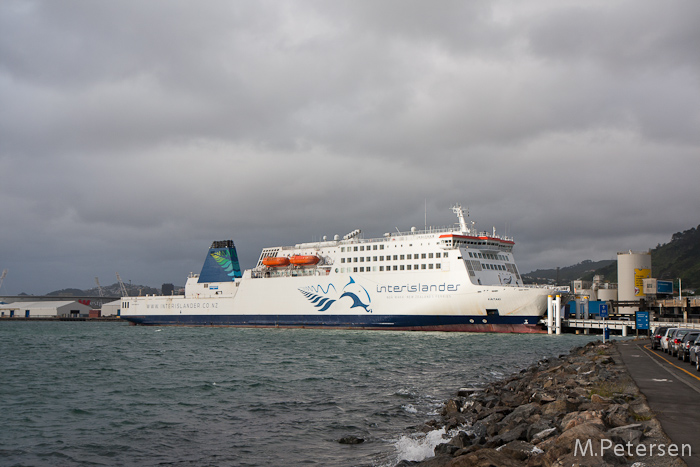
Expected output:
(621, 326)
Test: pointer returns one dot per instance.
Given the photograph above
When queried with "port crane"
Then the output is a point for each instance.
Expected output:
(99, 287)
(122, 287)
(2, 277)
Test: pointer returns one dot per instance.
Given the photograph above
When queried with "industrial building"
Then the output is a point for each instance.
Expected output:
(111, 308)
(44, 309)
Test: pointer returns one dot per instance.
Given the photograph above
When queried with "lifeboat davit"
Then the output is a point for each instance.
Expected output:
(304, 260)
(276, 262)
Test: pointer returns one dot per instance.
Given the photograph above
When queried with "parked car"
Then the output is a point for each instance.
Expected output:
(667, 337)
(656, 336)
(686, 342)
(694, 353)
(675, 342)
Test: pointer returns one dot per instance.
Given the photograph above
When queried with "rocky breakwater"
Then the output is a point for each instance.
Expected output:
(578, 409)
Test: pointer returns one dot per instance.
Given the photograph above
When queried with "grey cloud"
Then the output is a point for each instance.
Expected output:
(132, 134)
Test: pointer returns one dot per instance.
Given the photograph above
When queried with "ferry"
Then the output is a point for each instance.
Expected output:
(437, 279)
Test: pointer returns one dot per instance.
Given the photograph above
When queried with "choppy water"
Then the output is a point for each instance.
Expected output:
(112, 394)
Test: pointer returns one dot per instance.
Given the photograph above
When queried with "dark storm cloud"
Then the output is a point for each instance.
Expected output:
(134, 133)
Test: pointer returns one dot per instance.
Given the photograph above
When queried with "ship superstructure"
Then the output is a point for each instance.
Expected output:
(451, 279)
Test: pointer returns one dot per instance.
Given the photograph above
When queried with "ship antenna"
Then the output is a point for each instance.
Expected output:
(426, 214)
(457, 209)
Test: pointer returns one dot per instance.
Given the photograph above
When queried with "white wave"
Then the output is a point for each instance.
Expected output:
(409, 408)
(419, 446)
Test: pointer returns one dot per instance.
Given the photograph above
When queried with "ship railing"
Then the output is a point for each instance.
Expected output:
(565, 289)
(297, 272)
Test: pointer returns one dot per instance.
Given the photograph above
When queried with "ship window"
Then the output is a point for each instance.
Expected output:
(437, 266)
(381, 268)
(362, 269)
(368, 260)
(430, 266)
(362, 248)
(374, 247)
(422, 266)
(355, 248)
(408, 267)
(395, 257)
(396, 268)
(381, 258)
(409, 256)
(342, 260)
(444, 254)
(354, 269)
(402, 267)
(342, 249)
(430, 255)
(437, 255)
(381, 247)
(403, 257)
(374, 258)
(362, 259)
(354, 260)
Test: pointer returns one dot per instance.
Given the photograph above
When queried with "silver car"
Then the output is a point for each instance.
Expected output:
(664, 340)
(675, 342)
(684, 346)
(694, 353)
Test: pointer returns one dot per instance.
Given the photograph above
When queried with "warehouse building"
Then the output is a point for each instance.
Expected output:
(111, 308)
(44, 309)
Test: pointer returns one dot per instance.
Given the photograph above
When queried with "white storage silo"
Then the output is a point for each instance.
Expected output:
(632, 268)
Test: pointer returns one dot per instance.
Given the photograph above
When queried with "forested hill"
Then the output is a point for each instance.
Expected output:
(680, 258)
(566, 274)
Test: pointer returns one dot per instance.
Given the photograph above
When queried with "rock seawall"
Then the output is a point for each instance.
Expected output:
(578, 409)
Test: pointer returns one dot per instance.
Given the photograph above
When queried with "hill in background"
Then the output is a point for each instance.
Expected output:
(566, 274)
(680, 258)
(109, 291)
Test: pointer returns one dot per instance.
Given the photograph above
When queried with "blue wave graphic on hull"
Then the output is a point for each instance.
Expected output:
(318, 287)
(323, 302)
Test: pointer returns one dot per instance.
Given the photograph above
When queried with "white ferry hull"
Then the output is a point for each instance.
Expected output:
(408, 303)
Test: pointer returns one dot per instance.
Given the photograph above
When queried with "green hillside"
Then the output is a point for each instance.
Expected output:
(679, 259)
(566, 274)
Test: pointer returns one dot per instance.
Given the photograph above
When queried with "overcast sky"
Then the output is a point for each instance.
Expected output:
(134, 133)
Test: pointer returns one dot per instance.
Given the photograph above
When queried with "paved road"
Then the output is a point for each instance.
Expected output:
(672, 389)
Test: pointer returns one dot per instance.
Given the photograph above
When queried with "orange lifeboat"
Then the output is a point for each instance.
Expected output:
(276, 262)
(304, 260)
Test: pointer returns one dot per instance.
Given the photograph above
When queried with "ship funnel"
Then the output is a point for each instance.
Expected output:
(221, 263)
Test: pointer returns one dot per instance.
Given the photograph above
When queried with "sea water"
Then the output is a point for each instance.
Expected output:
(91, 393)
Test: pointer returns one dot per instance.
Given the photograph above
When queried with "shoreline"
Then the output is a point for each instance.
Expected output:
(582, 408)
(104, 319)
